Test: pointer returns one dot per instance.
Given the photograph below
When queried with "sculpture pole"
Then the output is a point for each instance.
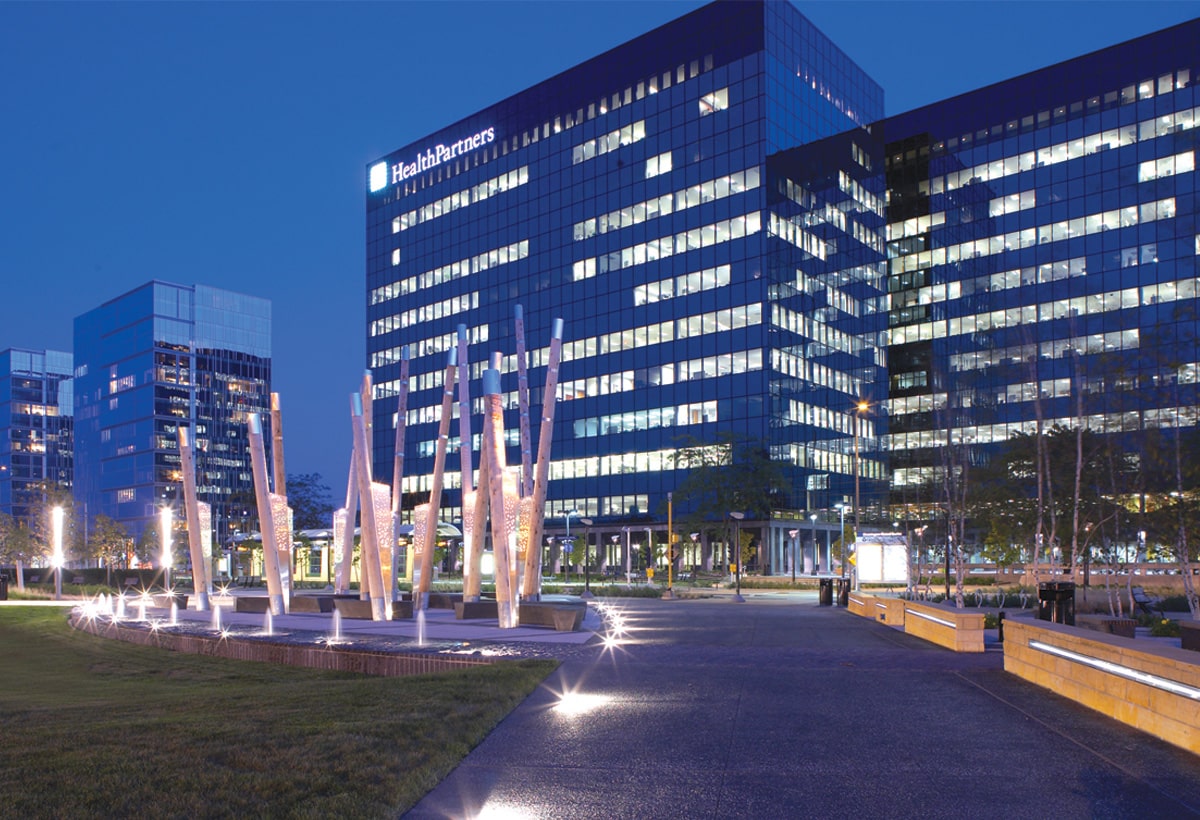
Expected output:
(523, 403)
(266, 517)
(277, 445)
(477, 513)
(398, 469)
(472, 537)
(200, 569)
(283, 518)
(345, 562)
(533, 554)
(435, 493)
(372, 576)
(493, 433)
(364, 496)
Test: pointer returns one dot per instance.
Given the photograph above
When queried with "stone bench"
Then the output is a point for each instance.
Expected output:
(164, 600)
(353, 608)
(358, 609)
(443, 600)
(470, 610)
(1125, 627)
(311, 603)
(258, 604)
(1189, 635)
(945, 625)
(563, 617)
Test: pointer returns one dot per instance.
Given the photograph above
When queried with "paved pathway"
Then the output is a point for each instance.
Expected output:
(777, 708)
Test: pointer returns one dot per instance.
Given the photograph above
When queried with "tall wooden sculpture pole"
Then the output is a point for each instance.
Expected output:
(472, 538)
(421, 592)
(398, 468)
(277, 446)
(475, 510)
(523, 402)
(368, 402)
(345, 561)
(266, 517)
(371, 572)
(283, 517)
(201, 571)
(533, 554)
(493, 434)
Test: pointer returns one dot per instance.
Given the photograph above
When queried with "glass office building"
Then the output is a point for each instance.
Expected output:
(35, 428)
(739, 243)
(632, 196)
(1042, 247)
(150, 360)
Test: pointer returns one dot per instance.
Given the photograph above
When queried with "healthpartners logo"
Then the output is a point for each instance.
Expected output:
(381, 174)
(377, 177)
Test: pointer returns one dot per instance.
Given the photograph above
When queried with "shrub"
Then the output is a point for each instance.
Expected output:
(1163, 628)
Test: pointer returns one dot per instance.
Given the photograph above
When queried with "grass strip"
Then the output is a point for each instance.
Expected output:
(93, 727)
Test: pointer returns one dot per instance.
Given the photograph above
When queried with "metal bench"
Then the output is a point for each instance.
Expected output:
(1145, 602)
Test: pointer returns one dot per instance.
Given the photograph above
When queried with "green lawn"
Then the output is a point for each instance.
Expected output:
(91, 727)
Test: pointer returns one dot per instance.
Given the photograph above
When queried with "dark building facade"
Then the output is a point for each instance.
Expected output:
(150, 360)
(742, 246)
(1042, 247)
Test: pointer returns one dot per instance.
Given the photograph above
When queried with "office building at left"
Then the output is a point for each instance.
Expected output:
(35, 429)
(149, 361)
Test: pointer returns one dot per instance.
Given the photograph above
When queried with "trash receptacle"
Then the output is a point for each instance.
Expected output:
(826, 596)
(1056, 602)
(3, 587)
(843, 592)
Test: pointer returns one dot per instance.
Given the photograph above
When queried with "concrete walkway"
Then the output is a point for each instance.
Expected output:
(777, 708)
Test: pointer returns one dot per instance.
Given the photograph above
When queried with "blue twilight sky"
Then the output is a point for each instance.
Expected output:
(225, 143)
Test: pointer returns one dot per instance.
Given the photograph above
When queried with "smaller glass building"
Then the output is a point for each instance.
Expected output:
(36, 428)
(150, 360)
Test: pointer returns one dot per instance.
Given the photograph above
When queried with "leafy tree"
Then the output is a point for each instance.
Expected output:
(16, 542)
(734, 474)
(309, 497)
(109, 542)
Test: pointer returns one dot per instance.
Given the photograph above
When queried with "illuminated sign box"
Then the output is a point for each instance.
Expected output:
(882, 558)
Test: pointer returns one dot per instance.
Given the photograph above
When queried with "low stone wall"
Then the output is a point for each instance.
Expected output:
(336, 658)
(948, 626)
(890, 611)
(1153, 688)
(958, 629)
(861, 604)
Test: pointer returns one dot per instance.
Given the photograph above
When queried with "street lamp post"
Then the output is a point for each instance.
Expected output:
(567, 563)
(56, 519)
(816, 555)
(737, 552)
(165, 529)
(587, 565)
(795, 536)
(841, 508)
(859, 409)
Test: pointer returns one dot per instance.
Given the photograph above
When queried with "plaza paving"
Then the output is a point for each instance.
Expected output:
(777, 708)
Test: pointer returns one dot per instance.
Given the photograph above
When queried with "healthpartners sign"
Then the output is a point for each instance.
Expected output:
(382, 174)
